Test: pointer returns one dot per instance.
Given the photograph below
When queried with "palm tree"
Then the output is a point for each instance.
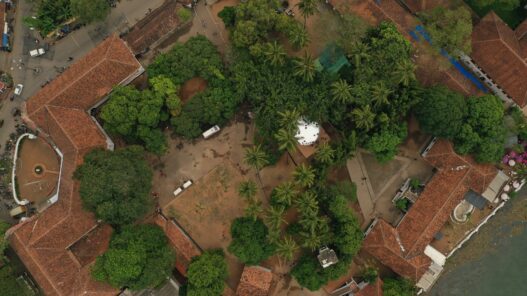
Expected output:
(275, 53)
(363, 117)
(341, 91)
(404, 72)
(298, 37)
(253, 209)
(307, 204)
(286, 247)
(380, 94)
(311, 240)
(324, 153)
(304, 176)
(285, 193)
(286, 140)
(305, 68)
(273, 235)
(275, 216)
(360, 53)
(247, 190)
(289, 120)
(257, 158)
(307, 8)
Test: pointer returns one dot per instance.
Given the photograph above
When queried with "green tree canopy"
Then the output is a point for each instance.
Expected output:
(90, 10)
(384, 143)
(398, 287)
(441, 112)
(4, 226)
(116, 185)
(207, 273)
(450, 29)
(249, 241)
(348, 235)
(136, 116)
(139, 257)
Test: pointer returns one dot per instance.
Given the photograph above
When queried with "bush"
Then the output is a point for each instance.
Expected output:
(249, 241)
(228, 16)
(139, 257)
(347, 189)
(370, 275)
(310, 274)
(184, 14)
(398, 287)
(115, 185)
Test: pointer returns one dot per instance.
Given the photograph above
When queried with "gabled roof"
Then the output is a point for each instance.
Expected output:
(59, 245)
(255, 281)
(185, 248)
(401, 248)
(497, 50)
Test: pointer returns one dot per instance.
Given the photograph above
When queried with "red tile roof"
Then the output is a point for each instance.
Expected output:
(184, 246)
(497, 50)
(154, 27)
(58, 246)
(401, 248)
(255, 281)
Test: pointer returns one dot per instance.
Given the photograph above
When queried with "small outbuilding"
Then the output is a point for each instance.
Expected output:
(327, 257)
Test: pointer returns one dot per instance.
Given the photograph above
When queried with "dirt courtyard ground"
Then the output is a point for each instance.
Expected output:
(37, 170)
(377, 183)
(192, 87)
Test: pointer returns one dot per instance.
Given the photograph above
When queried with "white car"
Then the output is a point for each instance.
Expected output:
(37, 52)
(18, 89)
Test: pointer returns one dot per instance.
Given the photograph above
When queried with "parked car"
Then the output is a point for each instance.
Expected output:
(211, 131)
(18, 89)
(37, 52)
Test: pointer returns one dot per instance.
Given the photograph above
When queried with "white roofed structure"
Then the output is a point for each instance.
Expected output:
(307, 133)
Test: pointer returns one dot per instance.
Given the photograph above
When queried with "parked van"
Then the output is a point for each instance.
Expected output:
(211, 131)
(37, 52)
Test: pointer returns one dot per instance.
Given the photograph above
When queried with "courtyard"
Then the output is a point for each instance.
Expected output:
(37, 171)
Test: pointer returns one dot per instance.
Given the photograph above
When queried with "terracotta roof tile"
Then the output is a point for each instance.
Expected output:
(255, 281)
(154, 26)
(402, 248)
(184, 246)
(59, 245)
(496, 49)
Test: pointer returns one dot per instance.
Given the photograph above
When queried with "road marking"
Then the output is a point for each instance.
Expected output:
(75, 41)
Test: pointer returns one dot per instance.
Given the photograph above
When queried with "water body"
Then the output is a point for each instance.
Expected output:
(494, 261)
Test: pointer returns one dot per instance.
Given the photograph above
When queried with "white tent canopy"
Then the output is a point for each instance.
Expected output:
(307, 133)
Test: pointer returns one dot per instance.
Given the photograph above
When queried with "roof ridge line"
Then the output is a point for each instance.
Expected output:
(60, 126)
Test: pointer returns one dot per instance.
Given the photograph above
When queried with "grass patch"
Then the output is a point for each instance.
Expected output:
(512, 16)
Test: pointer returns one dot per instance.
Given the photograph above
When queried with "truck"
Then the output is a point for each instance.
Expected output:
(37, 52)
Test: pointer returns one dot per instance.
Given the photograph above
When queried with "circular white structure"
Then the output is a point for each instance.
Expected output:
(507, 188)
(505, 196)
(512, 162)
(307, 133)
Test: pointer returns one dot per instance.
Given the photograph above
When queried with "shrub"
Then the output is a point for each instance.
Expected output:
(184, 14)
(249, 241)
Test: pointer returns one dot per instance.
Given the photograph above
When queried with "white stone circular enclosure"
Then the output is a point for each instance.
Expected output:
(307, 133)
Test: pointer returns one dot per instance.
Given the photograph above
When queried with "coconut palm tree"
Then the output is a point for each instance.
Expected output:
(298, 37)
(307, 204)
(285, 193)
(247, 190)
(341, 91)
(305, 68)
(253, 209)
(311, 240)
(256, 158)
(286, 247)
(404, 72)
(304, 175)
(274, 216)
(324, 153)
(360, 54)
(364, 118)
(380, 94)
(289, 120)
(307, 8)
(286, 140)
(273, 234)
(274, 53)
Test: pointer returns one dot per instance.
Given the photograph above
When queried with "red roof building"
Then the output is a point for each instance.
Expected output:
(182, 243)
(502, 53)
(402, 248)
(59, 245)
(255, 281)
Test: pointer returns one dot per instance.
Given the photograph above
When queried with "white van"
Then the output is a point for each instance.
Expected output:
(211, 131)
(37, 52)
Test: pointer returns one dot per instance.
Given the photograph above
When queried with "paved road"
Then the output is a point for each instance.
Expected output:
(21, 65)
